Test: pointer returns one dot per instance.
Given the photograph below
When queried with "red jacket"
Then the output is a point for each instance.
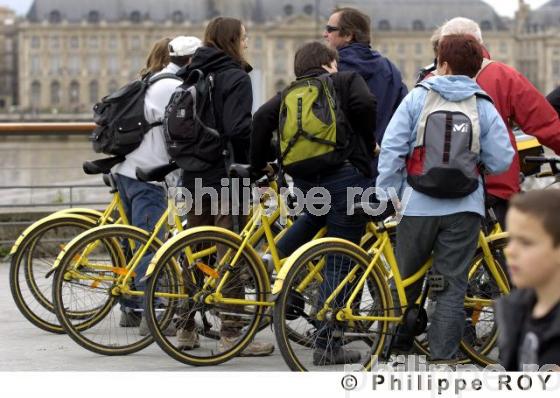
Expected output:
(517, 100)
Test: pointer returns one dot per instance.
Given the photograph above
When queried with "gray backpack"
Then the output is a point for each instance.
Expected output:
(445, 159)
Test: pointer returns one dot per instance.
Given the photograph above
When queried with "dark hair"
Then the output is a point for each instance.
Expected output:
(354, 23)
(181, 60)
(158, 58)
(312, 56)
(462, 53)
(225, 34)
(543, 205)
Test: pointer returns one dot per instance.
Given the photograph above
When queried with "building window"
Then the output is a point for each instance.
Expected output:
(35, 64)
(288, 9)
(35, 94)
(55, 16)
(93, 42)
(35, 42)
(258, 43)
(113, 64)
(401, 48)
(486, 25)
(93, 64)
(93, 16)
(137, 62)
(74, 64)
(384, 25)
(93, 91)
(74, 42)
(417, 25)
(308, 9)
(418, 48)
(177, 17)
(55, 64)
(135, 17)
(280, 44)
(74, 92)
(280, 65)
(55, 93)
(135, 43)
(55, 42)
(113, 43)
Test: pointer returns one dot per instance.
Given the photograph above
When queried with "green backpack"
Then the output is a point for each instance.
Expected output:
(313, 132)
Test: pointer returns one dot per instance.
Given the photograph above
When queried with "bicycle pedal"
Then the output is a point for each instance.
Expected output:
(437, 283)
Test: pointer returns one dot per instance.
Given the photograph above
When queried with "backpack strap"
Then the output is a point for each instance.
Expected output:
(161, 76)
(150, 80)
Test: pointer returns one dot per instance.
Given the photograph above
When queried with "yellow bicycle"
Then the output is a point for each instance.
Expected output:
(361, 312)
(35, 250)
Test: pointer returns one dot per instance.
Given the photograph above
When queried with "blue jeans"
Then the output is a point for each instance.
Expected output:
(144, 203)
(339, 225)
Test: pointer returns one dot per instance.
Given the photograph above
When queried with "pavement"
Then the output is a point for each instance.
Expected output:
(23, 347)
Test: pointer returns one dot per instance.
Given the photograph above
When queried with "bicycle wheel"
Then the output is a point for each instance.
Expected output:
(301, 301)
(86, 280)
(205, 255)
(481, 334)
(34, 258)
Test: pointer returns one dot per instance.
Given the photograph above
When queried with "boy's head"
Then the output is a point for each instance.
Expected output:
(313, 56)
(459, 55)
(533, 251)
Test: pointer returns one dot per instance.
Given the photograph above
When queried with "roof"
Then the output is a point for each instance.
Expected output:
(425, 14)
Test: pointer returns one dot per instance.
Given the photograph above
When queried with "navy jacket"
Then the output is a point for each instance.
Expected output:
(382, 77)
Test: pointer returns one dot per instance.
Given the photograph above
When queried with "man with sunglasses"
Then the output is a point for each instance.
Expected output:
(349, 31)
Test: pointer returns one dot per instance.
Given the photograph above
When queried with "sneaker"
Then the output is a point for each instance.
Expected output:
(187, 339)
(337, 356)
(254, 349)
(129, 319)
(144, 330)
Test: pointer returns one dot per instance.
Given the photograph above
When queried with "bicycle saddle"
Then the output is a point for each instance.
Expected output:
(101, 166)
(157, 174)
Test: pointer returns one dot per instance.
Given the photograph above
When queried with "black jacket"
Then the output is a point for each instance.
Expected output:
(554, 99)
(512, 313)
(233, 103)
(359, 107)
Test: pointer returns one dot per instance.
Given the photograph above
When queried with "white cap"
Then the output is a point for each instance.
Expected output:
(183, 45)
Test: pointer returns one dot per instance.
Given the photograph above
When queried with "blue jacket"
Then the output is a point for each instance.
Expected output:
(496, 152)
(382, 77)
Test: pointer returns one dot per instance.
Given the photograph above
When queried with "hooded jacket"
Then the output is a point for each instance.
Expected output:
(519, 102)
(382, 77)
(496, 152)
(512, 312)
(233, 102)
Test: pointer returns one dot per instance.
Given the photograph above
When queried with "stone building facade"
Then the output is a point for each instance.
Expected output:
(70, 55)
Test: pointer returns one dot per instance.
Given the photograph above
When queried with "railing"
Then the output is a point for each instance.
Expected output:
(23, 129)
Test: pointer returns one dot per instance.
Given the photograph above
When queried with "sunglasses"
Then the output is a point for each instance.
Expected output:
(331, 29)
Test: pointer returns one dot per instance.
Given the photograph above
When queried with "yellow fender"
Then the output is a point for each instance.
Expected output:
(495, 237)
(85, 233)
(288, 264)
(80, 211)
(61, 214)
(192, 231)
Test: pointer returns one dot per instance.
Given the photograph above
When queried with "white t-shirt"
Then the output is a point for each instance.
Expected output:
(152, 151)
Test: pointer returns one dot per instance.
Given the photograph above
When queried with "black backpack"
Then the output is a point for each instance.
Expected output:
(192, 138)
(120, 119)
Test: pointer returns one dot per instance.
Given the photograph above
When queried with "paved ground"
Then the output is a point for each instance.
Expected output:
(24, 347)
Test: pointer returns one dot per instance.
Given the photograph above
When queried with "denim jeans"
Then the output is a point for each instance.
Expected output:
(339, 225)
(452, 240)
(144, 203)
